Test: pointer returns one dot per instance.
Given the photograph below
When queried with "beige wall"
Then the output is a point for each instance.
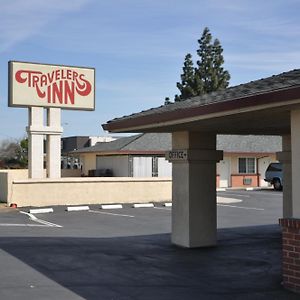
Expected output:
(6, 178)
(95, 190)
(88, 161)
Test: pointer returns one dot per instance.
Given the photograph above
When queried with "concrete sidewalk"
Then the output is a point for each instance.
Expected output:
(245, 265)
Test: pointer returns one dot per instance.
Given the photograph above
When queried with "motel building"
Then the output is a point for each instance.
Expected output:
(270, 106)
(245, 160)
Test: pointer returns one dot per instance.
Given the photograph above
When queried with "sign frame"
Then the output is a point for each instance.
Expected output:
(58, 66)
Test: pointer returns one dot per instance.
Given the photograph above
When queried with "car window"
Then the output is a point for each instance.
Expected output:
(276, 167)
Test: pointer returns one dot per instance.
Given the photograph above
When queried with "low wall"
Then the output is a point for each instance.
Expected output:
(89, 190)
(6, 179)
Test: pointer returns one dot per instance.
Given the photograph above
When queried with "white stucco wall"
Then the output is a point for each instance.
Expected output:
(164, 167)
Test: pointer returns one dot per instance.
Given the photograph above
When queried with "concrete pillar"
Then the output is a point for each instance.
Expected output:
(295, 147)
(194, 157)
(285, 158)
(35, 143)
(291, 222)
(54, 143)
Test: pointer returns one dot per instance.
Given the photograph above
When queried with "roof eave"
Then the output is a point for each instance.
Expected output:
(142, 122)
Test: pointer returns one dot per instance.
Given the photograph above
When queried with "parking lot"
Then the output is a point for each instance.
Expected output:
(126, 253)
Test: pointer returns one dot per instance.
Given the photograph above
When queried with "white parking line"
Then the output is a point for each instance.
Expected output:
(22, 225)
(242, 207)
(37, 220)
(239, 195)
(112, 214)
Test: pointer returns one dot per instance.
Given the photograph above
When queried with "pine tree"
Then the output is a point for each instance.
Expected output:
(210, 68)
(209, 75)
(186, 86)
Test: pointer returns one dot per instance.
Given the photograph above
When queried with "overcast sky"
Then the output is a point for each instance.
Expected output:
(138, 48)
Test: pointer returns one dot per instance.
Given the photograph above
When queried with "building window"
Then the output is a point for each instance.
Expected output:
(154, 166)
(247, 165)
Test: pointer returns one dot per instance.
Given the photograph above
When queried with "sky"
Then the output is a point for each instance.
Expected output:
(138, 47)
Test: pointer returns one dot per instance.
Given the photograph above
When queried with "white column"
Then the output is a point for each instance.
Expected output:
(194, 221)
(295, 149)
(285, 158)
(54, 143)
(35, 143)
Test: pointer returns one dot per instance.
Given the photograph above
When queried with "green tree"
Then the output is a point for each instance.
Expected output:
(210, 62)
(209, 75)
(189, 86)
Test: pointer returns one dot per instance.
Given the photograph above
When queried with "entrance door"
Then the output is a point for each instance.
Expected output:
(224, 172)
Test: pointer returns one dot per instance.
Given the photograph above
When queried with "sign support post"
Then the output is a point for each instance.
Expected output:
(36, 132)
(35, 142)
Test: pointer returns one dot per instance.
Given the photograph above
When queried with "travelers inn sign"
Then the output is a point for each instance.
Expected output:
(32, 84)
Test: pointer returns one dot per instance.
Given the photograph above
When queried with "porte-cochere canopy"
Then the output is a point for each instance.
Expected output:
(270, 106)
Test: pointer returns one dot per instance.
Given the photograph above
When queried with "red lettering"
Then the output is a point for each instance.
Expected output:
(57, 92)
(85, 88)
(75, 75)
(35, 80)
(69, 74)
(43, 80)
(57, 75)
(49, 93)
(69, 92)
(28, 77)
(57, 86)
(63, 74)
(50, 76)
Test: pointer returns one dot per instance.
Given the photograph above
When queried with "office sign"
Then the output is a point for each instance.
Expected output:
(177, 155)
(66, 87)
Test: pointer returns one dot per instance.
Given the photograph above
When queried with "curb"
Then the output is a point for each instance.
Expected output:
(41, 210)
(111, 206)
(77, 208)
(141, 205)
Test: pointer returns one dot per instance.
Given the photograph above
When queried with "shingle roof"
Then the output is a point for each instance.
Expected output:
(249, 143)
(140, 142)
(279, 82)
(162, 142)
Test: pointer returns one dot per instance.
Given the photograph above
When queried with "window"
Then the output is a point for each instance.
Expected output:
(247, 165)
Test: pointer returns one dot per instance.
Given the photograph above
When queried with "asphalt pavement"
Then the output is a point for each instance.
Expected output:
(127, 254)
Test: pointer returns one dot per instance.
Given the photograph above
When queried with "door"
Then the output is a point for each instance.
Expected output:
(224, 172)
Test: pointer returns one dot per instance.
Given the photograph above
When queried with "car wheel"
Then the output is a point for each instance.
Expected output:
(277, 185)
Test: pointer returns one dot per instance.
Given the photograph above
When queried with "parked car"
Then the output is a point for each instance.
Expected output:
(274, 175)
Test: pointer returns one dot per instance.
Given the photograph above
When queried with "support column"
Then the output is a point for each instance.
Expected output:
(54, 143)
(291, 221)
(194, 157)
(35, 143)
(295, 147)
(285, 158)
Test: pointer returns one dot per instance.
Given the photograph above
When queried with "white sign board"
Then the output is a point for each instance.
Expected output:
(66, 87)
